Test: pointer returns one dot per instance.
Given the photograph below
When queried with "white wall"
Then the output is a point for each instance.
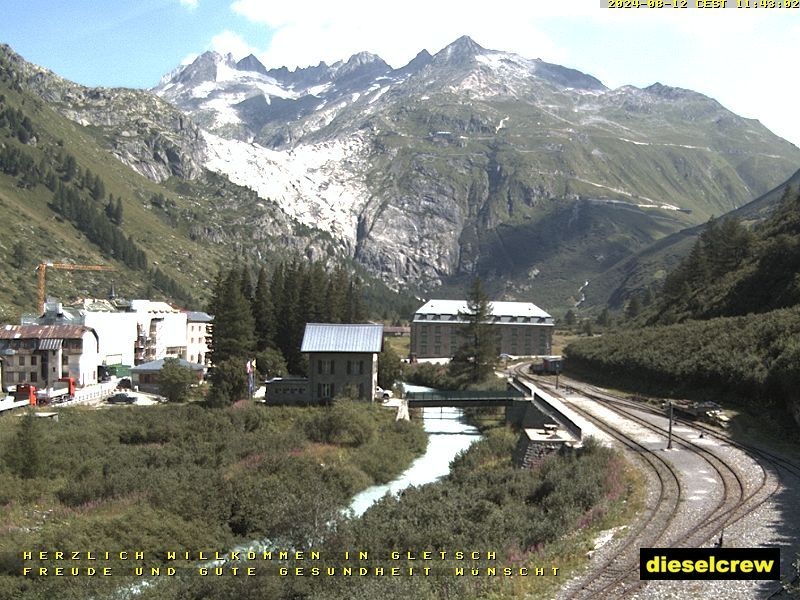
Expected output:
(117, 333)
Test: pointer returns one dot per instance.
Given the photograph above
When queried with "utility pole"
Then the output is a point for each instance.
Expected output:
(669, 441)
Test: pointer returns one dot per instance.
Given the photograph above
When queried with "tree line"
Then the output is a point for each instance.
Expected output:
(79, 195)
(265, 317)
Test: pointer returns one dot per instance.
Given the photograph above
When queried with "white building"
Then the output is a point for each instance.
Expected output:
(129, 333)
(161, 331)
(198, 335)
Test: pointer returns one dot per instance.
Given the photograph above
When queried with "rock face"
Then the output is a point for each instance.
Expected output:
(473, 160)
(467, 161)
(146, 133)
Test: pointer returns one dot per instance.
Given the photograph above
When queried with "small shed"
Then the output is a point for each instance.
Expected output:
(145, 376)
(291, 391)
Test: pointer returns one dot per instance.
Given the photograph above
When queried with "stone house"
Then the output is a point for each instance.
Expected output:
(342, 356)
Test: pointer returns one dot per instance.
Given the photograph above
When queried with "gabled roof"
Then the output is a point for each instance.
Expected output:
(41, 332)
(196, 316)
(499, 309)
(330, 337)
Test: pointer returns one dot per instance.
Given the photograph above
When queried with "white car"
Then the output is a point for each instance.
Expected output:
(382, 394)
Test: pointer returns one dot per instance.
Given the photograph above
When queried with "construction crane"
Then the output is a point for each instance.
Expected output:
(42, 268)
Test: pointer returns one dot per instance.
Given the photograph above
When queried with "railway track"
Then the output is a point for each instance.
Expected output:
(666, 521)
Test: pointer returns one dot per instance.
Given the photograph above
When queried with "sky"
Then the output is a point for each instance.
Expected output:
(743, 57)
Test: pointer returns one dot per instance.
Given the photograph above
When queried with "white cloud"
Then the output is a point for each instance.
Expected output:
(229, 42)
(190, 4)
(736, 56)
(307, 31)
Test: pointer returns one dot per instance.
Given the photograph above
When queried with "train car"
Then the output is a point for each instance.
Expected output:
(550, 365)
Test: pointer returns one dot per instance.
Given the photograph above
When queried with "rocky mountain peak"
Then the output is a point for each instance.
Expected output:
(462, 51)
(203, 68)
(419, 62)
(363, 65)
(251, 63)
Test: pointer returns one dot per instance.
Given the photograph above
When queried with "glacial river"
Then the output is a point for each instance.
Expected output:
(448, 434)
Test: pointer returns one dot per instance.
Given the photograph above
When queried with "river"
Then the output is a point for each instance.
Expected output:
(448, 434)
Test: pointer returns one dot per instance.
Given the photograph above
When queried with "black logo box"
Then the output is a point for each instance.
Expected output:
(708, 563)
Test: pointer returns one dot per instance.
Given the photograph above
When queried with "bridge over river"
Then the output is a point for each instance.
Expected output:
(466, 398)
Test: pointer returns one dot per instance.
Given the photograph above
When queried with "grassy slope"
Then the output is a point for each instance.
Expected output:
(26, 216)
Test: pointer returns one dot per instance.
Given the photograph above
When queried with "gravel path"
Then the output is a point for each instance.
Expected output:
(722, 487)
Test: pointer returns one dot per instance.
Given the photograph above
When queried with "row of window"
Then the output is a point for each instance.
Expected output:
(12, 377)
(328, 367)
(495, 319)
(328, 390)
(22, 360)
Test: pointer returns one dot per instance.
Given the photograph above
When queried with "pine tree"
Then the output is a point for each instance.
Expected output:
(263, 313)
(477, 357)
(234, 327)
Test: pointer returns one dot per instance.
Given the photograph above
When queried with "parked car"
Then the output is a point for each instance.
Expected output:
(124, 384)
(382, 394)
(121, 399)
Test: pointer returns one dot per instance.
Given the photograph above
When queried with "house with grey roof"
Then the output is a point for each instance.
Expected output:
(341, 358)
(145, 376)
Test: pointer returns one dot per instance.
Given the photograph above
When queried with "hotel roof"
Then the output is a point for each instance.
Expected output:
(499, 309)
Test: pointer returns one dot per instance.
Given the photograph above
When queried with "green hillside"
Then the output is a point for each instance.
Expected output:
(164, 240)
(724, 327)
(649, 267)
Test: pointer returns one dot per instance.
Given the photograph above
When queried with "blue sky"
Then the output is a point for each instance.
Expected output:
(744, 58)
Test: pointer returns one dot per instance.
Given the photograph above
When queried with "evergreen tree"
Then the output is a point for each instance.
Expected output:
(336, 295)
(390, 369)
(356, 312)
(634, 308)
(263, 313)
(247, 284)
(476, 358)
(234, 327)
(19, 255)
(569, 318)
(117, 216)
(604, 319)
(228, 382)
(98, 188)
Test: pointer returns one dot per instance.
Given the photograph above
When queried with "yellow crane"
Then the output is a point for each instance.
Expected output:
(42, 268)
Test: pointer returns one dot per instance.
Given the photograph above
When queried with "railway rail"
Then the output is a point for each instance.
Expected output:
(741, 489)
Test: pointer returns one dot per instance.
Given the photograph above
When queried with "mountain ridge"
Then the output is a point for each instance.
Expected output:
(452, 165)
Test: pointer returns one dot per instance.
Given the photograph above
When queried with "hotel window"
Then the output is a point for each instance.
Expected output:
(33, 361)
(349, 367)
(361, 367)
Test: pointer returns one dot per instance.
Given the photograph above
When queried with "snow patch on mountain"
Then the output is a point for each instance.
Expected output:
(318, 184)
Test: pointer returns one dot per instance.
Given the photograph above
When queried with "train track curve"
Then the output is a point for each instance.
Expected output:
(707, 483)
